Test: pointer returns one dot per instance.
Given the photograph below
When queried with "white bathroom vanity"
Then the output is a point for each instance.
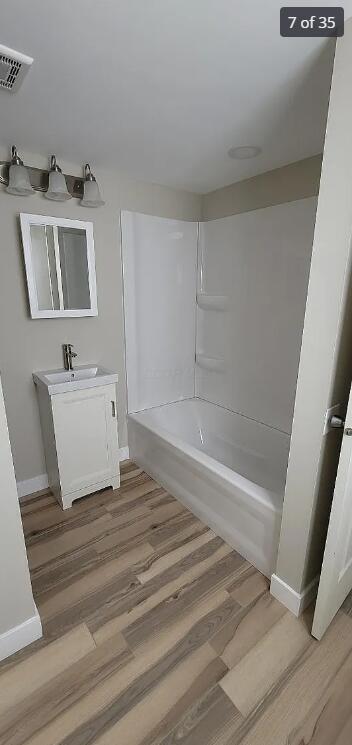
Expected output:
(79, 423)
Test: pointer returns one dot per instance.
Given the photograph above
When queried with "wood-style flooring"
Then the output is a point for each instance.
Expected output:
(156, 632)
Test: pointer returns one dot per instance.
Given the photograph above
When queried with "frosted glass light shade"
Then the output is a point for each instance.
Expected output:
(19, 182)
(91, 195)
(57, 189)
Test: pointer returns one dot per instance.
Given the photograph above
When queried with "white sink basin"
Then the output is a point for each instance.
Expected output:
(84, 376)
(66, 376)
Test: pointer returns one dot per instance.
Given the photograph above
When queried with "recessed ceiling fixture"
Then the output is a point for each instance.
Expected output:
(243, 152)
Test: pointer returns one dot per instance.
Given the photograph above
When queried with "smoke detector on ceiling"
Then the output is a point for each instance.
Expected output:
(13, 68)
(243, 152)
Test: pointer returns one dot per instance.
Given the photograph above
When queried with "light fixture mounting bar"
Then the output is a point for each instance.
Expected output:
(39, 179)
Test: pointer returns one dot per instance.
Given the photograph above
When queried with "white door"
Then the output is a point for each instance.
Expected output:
(86, 437)
(336, 574)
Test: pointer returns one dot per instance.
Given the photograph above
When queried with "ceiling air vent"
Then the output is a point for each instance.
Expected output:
(13, 68)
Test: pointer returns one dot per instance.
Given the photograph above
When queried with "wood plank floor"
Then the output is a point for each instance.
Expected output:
(157, 633)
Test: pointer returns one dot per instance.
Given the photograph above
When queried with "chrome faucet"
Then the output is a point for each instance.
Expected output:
(68, 356)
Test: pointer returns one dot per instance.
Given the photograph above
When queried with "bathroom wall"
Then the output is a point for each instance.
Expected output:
(16, 599)
(160, 279)
(27, 345)
(297, 180)
(253, 277)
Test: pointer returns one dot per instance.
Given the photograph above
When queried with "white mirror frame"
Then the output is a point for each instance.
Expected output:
(26, 221)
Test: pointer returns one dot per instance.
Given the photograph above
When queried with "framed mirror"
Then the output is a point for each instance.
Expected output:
(60, 266)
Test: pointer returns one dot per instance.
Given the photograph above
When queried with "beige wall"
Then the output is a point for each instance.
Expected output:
(326, 357)
(295, 181)
(16, 599)
(27, 345)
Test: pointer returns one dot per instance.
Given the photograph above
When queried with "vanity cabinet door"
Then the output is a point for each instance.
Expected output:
(85, 426)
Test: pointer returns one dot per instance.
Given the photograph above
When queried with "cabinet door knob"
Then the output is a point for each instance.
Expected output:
(113, 408)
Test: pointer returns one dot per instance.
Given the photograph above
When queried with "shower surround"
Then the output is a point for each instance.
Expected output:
(213, 324)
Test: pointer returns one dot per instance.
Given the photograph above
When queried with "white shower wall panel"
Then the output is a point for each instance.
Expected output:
(248, 350)
(160, 277)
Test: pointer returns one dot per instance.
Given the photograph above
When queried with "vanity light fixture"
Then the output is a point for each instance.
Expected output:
(91, 193)
(19, 182)
(57, 189)
(23, 180)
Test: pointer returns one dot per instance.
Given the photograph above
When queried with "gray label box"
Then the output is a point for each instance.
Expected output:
(313, 21)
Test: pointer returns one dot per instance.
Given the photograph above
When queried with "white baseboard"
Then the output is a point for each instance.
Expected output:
(38, 483)
(32, 485)
(294, 601)
(20, 636)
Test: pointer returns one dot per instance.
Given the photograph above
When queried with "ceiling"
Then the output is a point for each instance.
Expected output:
(161, 89)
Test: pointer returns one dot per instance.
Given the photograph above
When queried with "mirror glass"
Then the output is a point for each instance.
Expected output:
(59, 259)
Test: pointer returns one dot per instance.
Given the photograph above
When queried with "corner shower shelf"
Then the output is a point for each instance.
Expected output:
(214, 364)
(212, 302)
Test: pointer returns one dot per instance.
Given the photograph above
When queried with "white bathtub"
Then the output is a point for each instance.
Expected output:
(228, 470)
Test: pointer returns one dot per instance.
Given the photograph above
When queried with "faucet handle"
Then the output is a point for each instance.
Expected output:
(69, 349)
(68, 355)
